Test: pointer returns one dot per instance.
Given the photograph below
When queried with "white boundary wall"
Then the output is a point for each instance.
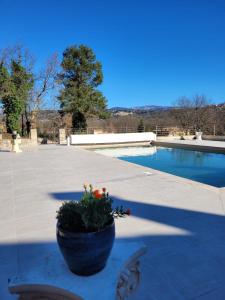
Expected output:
(109, 138)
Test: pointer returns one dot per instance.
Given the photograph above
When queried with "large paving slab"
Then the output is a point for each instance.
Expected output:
(181, 221)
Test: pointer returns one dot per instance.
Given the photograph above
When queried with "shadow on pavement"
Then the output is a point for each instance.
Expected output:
(188, 265)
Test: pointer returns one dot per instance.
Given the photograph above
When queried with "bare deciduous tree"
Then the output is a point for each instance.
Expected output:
(45, 83)
(201, 113)
(44, 80)
(183, 113)
(17, 53)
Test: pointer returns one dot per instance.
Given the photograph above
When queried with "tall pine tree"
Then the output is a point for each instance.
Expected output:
(80, 76)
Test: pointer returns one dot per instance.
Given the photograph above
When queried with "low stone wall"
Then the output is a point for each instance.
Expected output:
(26, 142)
(6, 145)
(191, 137)
(214, 138)
(174, 137)
(6, 142)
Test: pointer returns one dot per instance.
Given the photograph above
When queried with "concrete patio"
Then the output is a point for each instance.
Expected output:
(182, 222)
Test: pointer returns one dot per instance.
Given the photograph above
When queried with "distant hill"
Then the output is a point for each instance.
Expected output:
(138, 109)
(118, 108)
(152, 107)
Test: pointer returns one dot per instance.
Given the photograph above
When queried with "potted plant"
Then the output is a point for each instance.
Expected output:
(86, 231)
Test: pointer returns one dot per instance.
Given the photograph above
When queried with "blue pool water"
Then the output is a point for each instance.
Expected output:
(208, 168)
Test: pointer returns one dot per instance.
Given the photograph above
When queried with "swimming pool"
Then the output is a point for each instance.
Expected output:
(208, 168)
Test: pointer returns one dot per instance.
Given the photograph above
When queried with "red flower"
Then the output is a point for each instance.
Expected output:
(128, 212)
(97, 194)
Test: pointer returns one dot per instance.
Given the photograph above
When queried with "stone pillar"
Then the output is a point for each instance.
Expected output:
(62, 136)
(33, 135)
(33, 120)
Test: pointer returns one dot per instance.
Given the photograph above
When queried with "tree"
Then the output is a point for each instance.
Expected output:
(30, 88)
(141, 126)
(44, 84)
(201, 112)
(183, 113)
(192, 113)
(80, 76)
(15, 85)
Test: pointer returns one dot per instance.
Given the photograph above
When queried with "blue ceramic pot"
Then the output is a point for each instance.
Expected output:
(86, 253)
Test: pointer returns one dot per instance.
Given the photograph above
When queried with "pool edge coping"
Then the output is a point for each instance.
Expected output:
(185, 180)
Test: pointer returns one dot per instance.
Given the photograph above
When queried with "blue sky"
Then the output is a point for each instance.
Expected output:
(152, 51)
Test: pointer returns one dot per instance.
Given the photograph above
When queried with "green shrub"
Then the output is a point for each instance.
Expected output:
(92, 213)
